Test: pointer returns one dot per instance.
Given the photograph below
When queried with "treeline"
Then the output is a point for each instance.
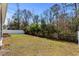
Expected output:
(60, 21)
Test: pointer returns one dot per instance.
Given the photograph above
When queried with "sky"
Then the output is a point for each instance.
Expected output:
(35, 8)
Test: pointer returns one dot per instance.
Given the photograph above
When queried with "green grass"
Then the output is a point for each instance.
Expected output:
(23, 45)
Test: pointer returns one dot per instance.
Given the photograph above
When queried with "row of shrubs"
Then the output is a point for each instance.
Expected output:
(60, 37)
(71, 37)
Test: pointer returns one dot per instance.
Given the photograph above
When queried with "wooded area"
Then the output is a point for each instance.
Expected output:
(60, 21)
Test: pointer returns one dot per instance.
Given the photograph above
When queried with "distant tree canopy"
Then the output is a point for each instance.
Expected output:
(59, 19)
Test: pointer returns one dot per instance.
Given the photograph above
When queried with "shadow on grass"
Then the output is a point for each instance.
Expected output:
(57, 39)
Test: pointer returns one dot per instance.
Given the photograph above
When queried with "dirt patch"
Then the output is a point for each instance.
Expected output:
(3, 52)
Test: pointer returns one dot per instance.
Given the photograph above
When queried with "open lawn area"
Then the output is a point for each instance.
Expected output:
(23, 45)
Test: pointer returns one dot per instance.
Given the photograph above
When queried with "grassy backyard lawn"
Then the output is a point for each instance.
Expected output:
(30, 45)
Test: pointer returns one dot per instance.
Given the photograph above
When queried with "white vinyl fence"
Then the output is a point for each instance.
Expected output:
(13, 31)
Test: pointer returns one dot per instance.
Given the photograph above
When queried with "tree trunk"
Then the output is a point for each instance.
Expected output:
(75, 5)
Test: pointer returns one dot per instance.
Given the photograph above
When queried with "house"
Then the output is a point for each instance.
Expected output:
(3, 9)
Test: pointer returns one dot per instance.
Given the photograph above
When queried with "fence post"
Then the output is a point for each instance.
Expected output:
(78, 36)
(0, 26)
